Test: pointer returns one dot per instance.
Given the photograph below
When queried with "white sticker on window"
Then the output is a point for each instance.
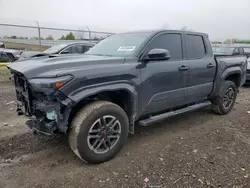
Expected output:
(126, 48)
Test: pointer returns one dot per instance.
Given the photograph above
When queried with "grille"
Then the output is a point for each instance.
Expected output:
(22, 92)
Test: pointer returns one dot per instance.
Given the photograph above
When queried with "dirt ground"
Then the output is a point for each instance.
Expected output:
(198, 149)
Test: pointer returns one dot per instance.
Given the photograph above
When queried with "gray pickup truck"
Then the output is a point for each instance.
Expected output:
(126, 79)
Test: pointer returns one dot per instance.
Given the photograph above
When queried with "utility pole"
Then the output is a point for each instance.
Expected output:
(39, 33)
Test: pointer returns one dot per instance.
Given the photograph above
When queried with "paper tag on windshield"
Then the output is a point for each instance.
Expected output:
(126, 48)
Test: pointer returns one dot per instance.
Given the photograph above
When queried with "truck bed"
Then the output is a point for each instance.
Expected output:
(232, 64)
(230, 59)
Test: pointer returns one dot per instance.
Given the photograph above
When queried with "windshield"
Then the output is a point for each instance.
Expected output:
(119, 45)
(223, 49)
(55, 48)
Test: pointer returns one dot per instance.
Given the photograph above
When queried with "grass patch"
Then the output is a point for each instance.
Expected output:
(31, 47)
(4, 70)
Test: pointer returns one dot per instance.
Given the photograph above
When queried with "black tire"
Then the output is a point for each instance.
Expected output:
(217, 102)
(82, 123)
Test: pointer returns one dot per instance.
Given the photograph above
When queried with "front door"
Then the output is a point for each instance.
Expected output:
(164, 82)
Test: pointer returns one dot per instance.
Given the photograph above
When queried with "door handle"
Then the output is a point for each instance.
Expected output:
(183, 68)
(210, 65)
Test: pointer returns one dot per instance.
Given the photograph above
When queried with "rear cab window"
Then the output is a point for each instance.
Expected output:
(195, 46)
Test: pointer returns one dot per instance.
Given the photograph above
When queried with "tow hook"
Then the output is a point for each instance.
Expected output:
(19, 111)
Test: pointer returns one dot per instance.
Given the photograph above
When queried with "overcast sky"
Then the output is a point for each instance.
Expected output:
(219, 18)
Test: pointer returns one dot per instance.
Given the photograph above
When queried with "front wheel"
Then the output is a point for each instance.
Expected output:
(224, 102)
(98, 131)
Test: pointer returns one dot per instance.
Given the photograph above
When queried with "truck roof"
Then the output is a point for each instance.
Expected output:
(154, 32)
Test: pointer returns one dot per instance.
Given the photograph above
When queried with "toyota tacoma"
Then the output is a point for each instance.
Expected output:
(135, 78)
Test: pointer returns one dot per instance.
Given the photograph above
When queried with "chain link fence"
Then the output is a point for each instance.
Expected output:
(43, 42)
(232, 45)
(44, 34)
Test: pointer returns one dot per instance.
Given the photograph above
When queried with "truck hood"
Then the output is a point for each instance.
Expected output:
(58, 66)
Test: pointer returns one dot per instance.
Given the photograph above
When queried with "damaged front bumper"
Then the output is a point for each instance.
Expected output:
(48, 112)
(49, 119)
(39, 126)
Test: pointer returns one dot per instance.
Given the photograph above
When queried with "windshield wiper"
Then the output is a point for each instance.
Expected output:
(99, 54)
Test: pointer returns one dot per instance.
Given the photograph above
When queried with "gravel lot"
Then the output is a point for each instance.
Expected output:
(197, 149)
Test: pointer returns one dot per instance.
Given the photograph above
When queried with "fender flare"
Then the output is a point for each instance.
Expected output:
(230, 71)
(221, 77)
(87, 91)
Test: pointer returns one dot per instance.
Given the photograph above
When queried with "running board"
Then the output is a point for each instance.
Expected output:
(160, 117)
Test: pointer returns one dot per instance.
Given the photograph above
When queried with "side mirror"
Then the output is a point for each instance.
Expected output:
(157, 54)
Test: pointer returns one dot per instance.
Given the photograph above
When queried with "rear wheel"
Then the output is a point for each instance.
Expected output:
(224, 102)
(98, 131)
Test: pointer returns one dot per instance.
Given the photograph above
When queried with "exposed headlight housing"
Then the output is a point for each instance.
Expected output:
(49, 84)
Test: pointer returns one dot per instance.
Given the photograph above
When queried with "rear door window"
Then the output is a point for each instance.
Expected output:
(195, 47)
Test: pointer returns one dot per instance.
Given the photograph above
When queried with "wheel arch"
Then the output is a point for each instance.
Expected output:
(123, 95)
(233, 74)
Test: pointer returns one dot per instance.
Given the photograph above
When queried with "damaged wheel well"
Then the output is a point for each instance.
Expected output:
(122, 98)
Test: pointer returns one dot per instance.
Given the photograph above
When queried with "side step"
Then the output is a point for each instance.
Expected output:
(160, 117)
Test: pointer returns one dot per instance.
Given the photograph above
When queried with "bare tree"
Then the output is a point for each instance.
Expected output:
(185, 28)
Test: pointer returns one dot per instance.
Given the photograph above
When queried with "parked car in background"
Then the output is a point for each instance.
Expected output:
(2, 45)
(69, 48)
(3, 57)
(247, 52)
(12, 54)
(235, 50)
(224, 50)
(139, 77)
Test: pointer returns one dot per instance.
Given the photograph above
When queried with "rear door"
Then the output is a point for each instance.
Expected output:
(202, 67)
